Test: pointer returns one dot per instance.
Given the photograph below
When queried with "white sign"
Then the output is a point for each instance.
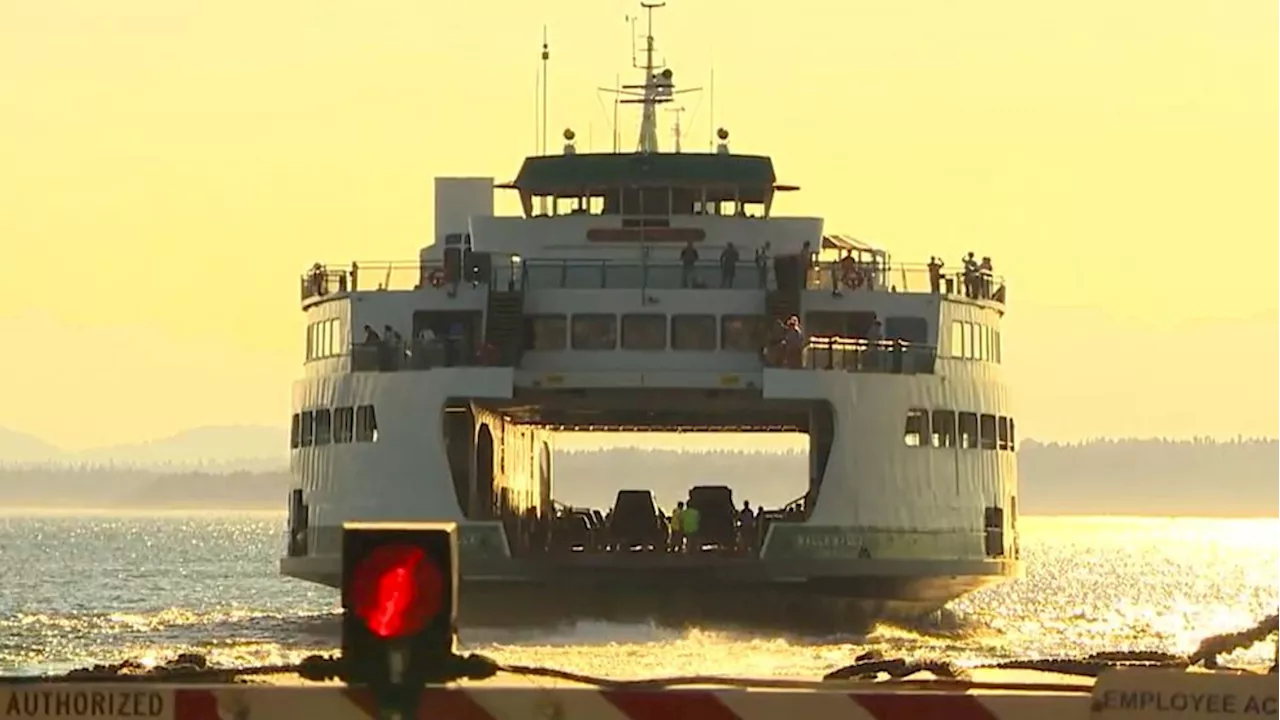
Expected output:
(1157, 694)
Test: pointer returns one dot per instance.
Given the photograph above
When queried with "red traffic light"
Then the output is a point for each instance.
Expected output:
(397, 590)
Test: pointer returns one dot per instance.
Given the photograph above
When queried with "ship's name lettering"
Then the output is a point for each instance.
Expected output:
(1206, 703)
(84, 703)
(833, 542)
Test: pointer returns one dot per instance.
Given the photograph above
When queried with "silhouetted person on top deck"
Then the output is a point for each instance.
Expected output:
(970, 276)
(728, 265)
(935, 275)
(762, 264)
(688, 258)
(984, 278)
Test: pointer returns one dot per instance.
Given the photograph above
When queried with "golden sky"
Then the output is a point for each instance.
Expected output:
(168, 168)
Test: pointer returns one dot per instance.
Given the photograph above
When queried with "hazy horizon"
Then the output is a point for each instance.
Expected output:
(170, 170)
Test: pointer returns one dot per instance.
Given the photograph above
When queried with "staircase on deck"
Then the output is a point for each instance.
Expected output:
(504, 326)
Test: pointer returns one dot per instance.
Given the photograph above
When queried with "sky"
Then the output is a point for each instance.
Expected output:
(167, 169)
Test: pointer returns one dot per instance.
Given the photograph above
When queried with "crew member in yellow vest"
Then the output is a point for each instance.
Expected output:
(689, 521)
(676, 541)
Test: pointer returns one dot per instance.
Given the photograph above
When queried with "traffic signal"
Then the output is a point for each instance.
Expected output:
(399, 603)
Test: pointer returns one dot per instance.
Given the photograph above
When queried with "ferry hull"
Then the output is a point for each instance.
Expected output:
(824, 596)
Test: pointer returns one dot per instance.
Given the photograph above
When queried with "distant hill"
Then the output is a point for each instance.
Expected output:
(1126, 477)
(229, 448)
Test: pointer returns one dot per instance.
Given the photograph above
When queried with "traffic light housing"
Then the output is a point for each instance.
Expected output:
(399, 603)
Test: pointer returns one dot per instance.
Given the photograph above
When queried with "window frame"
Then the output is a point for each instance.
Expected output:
(754, 329)
(344, 425)
(987, 422)
(943, 419)
(574, 343)
(366, 424)
(916, 426)
(643, 317)
(967, 440)
(535, 320)
(713, 326)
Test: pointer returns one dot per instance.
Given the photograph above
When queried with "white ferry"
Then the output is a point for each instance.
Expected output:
(653, 291)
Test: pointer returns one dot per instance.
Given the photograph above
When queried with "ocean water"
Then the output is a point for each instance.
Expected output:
(83, 588)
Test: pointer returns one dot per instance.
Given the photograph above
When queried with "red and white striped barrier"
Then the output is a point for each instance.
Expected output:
(262, 702)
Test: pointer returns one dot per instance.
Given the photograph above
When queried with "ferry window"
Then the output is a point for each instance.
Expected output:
(944, 429)
(308, 429)
(996, 336)
(910, 329)
(742, 333)
(987, 432)
(311, 331)
(968, 423)
(324, 427)
(916, 432)
(366, 424)
(1002, 432)
(343, 424)
(295, 431)
(546, 332)
(595, 332)
(1013, 445)
(957, 339)
(693, 332)
(644, 332)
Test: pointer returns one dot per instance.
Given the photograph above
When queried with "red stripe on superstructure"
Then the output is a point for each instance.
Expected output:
(672, 704)
(195, 705)
(923, 706)
(436, 704)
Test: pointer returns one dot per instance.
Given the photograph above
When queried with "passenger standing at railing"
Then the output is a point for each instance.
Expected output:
(728, 265)
(935, 275)
(984, 277)
(970, 276)
(874, 337)
(793, 343)
(762, 265)
(688, 258)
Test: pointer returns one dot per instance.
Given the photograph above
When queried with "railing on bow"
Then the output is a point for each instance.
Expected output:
(896, 357)
(585, 274)
(904, 277)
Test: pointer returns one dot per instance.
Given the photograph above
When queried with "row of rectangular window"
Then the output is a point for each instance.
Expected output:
(965, 430)
(656, 331)
(325, 339)
(974, 341)
(339, 425)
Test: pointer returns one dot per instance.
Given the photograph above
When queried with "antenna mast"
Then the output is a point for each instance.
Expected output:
(658, 87)
(546, 55)
(678, 111)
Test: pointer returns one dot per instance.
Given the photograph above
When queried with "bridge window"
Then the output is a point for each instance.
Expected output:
(957, 339)
(324, 427)
(693, 332)
(1013, 445)
(343, 424)
(987, 432)
(595, 332)
(910, 329)
(998, 355)
(644, 332)
(366, 424)
(324, 339)
(916, 433)
(968, 423)
(1002, 432)
(295, 431)
(944, 429)
(308, 429)
(742, 333)
(546, 332)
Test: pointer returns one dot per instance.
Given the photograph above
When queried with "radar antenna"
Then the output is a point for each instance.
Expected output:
(657, 89)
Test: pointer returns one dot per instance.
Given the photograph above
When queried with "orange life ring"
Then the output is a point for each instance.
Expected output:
(436, 278)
